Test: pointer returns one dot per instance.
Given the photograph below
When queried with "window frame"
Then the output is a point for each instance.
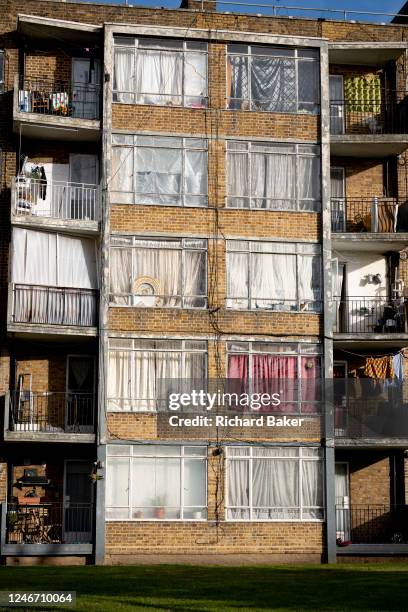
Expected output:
(180, 45)
(251, 252)
(315, 350)
(133, 297)
(2, 71)
(249, 150)
(182, 456)
(250, 457)
(296, 59)
(133, 349)
(115, 196)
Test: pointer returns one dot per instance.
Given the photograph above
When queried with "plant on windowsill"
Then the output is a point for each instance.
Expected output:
(158, 503)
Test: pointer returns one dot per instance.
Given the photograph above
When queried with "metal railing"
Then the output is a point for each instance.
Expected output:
(54, 305)
(58, 97)
(387, 115)
(373, 215)
(56, 199)
(372, 524)
(51, 412)
(362, 315)
(49, 523)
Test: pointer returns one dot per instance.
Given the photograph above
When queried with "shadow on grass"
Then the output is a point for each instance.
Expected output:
(201, 589)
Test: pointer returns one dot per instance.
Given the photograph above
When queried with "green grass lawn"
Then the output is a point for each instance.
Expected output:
(183, 588)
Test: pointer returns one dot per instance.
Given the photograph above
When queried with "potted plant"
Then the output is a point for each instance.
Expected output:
(158, 503)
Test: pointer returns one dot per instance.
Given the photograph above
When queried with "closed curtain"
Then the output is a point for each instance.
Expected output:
(156, 484)
(237, 280)
(310, 383)
(122, 187)
(273, 181)
(120, 275)
(117, 488)
(52, 262)
(194, 278)
(238, 375)
(312, 489)
(273, 84)
(273, 281)
(310, 282)
(142, 380)
(276, 374)
(159, 77)
(238, 181)
(238, 488)
(309, 182)
(195, 79)
(158, 175)
(239, 88)
(124, 75)
(275, 485)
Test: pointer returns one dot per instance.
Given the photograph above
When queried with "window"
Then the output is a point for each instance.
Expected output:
(156, 482)
(273, 176)
(160, 71)
(291, 369)
(274, 484)
(279, 276)
(273, 79)
(2, 71)
(159, 170)
(158, 273)
(141, 372)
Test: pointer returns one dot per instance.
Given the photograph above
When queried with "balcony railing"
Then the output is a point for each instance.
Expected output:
(374, 215)
(54, 305)
(387, 115)
(372, 524)
(49, 523)
(56, 199)
(59, 98)
(364, 315)
(51, 412)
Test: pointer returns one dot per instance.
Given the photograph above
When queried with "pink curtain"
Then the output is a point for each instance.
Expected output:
(276, 374)
(310, 384)
(237, 376)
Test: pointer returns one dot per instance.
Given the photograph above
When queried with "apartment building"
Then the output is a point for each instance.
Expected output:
(189, 194)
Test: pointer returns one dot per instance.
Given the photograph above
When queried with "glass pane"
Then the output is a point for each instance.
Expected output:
(237, 82)
(238, 179)
(194, 273)
(238, 482)
(194, 482)
(195, 173)
(117, 482)
(158, 178)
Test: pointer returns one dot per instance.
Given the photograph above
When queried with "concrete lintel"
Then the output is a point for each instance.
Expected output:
(56, 23)
(216, 35)
(70, 226)
(370, 242)
(40, 436)
(368, 145)
(50, 330)
(370, 443)
(396, 338)
(365, 53)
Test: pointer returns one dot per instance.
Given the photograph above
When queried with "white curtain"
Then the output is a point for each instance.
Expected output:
(119, 380)
(309, 279)
(156, 484)
(120, 267)
(237, 280)
(238, 488)
(273, 280)
(159, 77)
(309, 182)
(238, 181)
(194, 278)
(273, 181)
(195, 79)
(124, 75)
(163, 266)
(312, 489)
(275, 486)
(195, 177)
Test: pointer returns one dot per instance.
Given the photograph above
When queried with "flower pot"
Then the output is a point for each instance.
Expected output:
(159, 513)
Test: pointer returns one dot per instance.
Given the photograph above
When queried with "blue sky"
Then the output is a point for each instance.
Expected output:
(388, 6)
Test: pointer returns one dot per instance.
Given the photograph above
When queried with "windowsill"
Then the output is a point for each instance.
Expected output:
(274, 112)
(274, 311)
(168, 520)
(155, 520)
(272, 210)
(172, 106)
(184, 206)
(274, 520)
(177, 308)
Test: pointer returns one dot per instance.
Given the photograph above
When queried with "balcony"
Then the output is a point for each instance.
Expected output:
(69, 111)
(375, 528)
(50, 416)
(56, 204)
(368, 224)
(54, 309)
(369, 127)
(36, 527)
(370, 316)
